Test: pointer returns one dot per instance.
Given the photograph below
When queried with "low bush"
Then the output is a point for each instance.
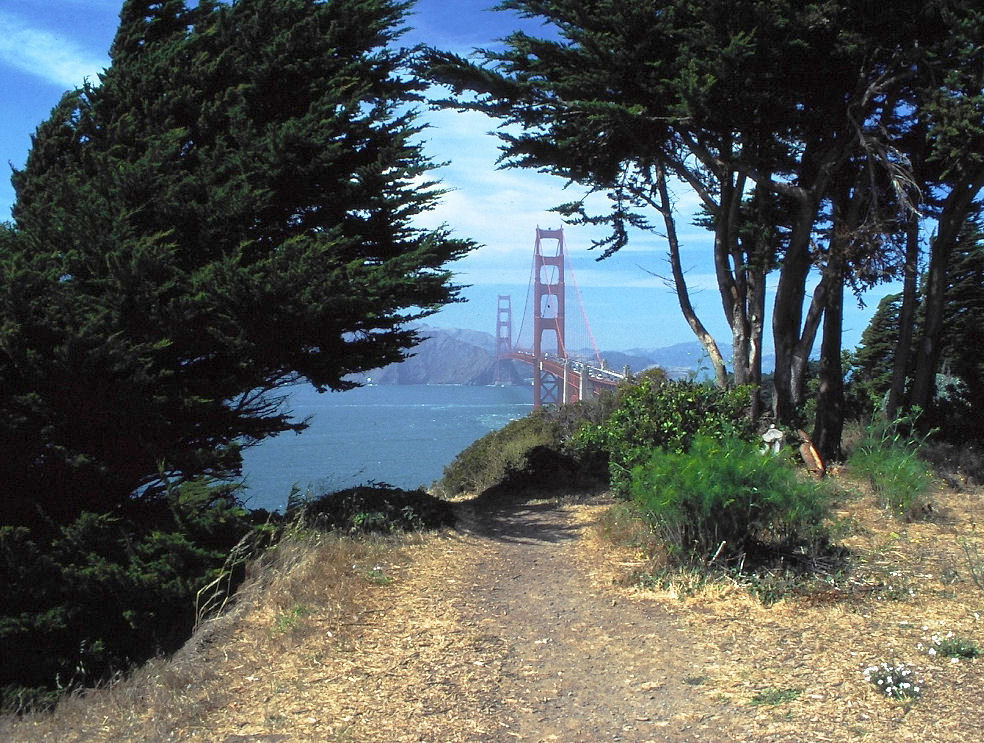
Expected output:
(655, 413)
(532, 451)
(887, 456)
(377, 507)
(959, 465)
(723, 499)
(950, 646)
(89, 599)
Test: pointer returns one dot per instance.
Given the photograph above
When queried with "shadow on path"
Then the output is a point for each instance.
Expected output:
(516, 519)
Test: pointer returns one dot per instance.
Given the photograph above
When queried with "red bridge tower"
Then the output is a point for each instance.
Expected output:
(548, 316)
(503, 336)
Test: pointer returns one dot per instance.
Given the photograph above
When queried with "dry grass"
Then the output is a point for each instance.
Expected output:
(336, 639)
(311, 586)
(799, 662)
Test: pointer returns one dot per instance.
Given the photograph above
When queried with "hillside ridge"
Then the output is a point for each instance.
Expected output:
(460, 356)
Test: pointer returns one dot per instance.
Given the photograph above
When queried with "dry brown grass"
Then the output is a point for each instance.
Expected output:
(799, 662)
(335, 639)
(312, 585)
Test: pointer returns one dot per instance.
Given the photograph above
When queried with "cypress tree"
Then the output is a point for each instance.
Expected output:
(874, 359)
(229, 210)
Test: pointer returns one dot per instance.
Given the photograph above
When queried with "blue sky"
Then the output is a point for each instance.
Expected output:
(48, 46)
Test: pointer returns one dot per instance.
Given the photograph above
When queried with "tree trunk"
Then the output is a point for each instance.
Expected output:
(907, 319)
(787, 312)
(730, 267)
(756, 316)
(953, 216)
(829, 423)
(680, 284)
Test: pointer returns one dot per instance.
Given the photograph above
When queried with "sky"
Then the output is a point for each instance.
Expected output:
(49, 46)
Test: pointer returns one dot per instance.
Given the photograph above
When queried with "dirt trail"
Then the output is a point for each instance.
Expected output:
(576, 662)
(507, 636)
(500, 630)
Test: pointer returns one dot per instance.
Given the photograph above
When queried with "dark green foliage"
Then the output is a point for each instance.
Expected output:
(532, 452)
(373, 508)
(657, 414)
(956, 464)
(872, 361)
(96, 595)
(959, 387)
(230, 210)
(723, 498)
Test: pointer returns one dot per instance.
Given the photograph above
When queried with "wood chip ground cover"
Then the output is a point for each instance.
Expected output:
(520, 625)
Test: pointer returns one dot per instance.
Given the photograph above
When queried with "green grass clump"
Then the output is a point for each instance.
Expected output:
(724, 499)
(775, 695)
(888, 458)
(285, 621)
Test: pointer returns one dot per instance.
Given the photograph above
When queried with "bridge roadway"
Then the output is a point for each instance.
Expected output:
(579, 375)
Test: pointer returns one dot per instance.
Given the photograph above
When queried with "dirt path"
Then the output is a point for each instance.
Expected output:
(576, 663)
(496, 631)
(505, 635)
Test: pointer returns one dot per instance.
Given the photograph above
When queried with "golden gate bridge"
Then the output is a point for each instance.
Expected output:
(562, 371)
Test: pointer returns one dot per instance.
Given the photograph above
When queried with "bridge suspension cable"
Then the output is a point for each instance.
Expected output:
(558, 375)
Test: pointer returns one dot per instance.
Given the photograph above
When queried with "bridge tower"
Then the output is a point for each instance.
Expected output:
(548, 317)
(503, 336)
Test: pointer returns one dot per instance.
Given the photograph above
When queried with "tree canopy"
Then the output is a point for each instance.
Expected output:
(228, 210)
(797, 126)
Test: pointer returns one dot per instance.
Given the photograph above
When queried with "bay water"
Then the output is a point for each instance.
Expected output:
(402, 435)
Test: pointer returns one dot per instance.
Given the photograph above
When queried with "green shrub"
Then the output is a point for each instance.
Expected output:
(91, 598)
(376, 507)
(531, 451)
(490, 459)
(887, 456)
(655, 413)
(723, 498)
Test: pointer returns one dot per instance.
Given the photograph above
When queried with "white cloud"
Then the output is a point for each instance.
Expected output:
(501, 208)
(44, 54)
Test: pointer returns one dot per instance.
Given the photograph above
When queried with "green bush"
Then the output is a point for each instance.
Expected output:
(655, 413)
(93, 597)
(376, 507)
(531, 451)
(887, 456)
(724, 498)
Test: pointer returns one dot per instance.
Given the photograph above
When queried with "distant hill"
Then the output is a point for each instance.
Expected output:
(691, 356)
(449, 356)
(458, 356)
